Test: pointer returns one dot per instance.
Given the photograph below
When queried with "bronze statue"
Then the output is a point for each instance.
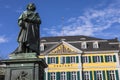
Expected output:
(28, 37)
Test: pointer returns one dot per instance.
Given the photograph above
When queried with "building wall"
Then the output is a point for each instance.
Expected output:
(76, 66)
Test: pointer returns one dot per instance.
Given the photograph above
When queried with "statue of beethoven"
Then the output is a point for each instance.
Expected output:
(28, 37)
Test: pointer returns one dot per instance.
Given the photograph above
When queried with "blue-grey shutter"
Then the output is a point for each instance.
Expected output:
(95, 77)
(114, 58)
(78, 75)
(89, 59)
(44, 75)
(68, 76)
(108, 75)
(117, 75)
(91, 78)
(57, 75)
(103, 73)
(77, 59)
(94, 60)
(49, 76)
(106, 60)
(48, 60)
(67, 59)
(56, 60)
(102, 59)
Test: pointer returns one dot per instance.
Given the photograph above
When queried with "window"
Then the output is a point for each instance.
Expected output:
(69, 59)
(96, 58)
(52, 59)
(73, 75)
(86, 75)
(63, 60)
(95, 45)
(109, 58)
(99, 75)
(41, 47)
(52, 76)
(72, 59)
(111, 75)
(85, 59)
(63, 76)
(83, 45)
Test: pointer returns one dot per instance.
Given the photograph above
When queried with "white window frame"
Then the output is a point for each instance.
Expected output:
(52, 60)
(112, 75)
(110, 58)
(52, 76)
(73, 75)
(62, 60)
(86, 75)
(98, 58)
(83, 45)
(63, 76)
(73, 59)
(99, 75)
(85, 59)
(95, 45)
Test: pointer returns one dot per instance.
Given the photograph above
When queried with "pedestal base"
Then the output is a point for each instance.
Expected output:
(24, 69)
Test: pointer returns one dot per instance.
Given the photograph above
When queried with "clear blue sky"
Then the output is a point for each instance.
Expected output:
(97, 18)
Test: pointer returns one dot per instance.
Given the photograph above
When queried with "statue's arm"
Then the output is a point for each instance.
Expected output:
(36, 19)
(21, 20)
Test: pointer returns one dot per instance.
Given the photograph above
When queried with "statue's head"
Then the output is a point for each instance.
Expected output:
(31, 7)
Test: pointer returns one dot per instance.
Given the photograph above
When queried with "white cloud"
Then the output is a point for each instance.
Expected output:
(3, 39)
(93, 22)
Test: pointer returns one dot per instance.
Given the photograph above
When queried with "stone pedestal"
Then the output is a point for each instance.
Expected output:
(24, 68)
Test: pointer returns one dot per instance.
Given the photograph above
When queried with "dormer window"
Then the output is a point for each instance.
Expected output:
(42, 47)
(95, 45)
(83, 45)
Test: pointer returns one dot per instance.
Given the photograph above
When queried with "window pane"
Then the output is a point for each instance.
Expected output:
(86, 75)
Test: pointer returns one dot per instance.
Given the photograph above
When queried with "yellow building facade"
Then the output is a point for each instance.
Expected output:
(80, 58)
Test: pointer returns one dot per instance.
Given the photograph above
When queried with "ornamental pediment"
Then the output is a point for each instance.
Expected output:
(64, 48)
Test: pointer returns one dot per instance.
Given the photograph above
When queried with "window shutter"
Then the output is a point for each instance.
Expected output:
(57, 75)
(91, 78)
(89, 59)
(68, 76)
(44, 75)
(48, 60)
(56, 60)
(49, 76)
(107, 75)
(77, 59)
(81, 59)
(103, 73)
(93, 59)
(101, 58)
(106, 60)
(95, 75)
(67, 59)
(78, 75)
(116, 73)
(114, 58)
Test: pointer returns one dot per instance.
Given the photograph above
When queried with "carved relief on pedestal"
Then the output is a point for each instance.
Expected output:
(22, 76)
